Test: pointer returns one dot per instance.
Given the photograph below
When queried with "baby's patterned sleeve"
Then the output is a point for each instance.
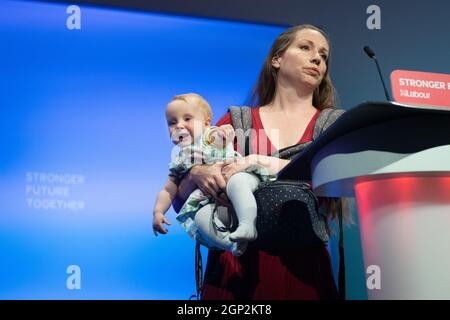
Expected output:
(184, 161)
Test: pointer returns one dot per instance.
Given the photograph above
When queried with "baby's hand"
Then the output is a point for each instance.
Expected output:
(226, 132)
(158, 223)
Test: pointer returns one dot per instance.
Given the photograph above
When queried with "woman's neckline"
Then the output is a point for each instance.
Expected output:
(259, 119)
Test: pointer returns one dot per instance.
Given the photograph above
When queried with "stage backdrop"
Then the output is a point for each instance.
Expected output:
(85, 147)
(83, 143)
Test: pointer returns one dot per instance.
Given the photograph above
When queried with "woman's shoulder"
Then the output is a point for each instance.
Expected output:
(330, 115)
(225, 119)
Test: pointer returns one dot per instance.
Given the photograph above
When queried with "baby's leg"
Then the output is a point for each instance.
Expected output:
(203, 219)
(240, 190)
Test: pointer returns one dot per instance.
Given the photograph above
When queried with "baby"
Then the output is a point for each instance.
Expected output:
(189, 120)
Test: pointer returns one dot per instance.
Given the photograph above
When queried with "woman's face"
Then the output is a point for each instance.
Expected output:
(304, 61)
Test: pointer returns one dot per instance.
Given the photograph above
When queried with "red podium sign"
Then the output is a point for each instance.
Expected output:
(421, 88)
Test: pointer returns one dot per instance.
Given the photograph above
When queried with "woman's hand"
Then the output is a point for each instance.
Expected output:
(210, 181)
(237, 165)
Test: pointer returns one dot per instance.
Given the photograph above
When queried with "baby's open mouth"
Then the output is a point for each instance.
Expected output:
(181, 136)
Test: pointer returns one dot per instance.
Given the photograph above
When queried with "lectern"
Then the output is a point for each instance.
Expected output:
(395, 160)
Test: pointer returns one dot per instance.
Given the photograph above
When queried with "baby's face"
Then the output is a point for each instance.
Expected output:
(186, 122)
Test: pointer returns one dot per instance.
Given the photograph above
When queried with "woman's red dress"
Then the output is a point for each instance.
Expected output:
(258, 275)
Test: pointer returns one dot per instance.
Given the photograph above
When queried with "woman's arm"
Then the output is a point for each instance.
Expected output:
(272, 164)
(208, 178)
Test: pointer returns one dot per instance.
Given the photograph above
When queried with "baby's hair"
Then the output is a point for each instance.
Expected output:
(198, 100)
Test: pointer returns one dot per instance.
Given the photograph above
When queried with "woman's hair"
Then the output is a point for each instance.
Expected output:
(265, 88)
(198, 100)
(323, 97)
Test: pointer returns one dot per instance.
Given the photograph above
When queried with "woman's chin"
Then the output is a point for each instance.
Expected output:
(308, 82)
(311, 84)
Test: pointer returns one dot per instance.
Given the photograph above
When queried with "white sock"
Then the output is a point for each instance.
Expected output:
(203, 219)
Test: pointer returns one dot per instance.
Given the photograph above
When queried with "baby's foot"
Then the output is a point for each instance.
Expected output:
(244, 232)
(239, 248)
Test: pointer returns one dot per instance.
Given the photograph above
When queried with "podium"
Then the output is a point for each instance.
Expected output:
(395, 160)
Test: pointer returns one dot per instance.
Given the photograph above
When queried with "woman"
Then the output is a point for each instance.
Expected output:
(292, 89)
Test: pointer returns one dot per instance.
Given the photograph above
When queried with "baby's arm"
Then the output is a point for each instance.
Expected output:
(163, 203)
(226, 132)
